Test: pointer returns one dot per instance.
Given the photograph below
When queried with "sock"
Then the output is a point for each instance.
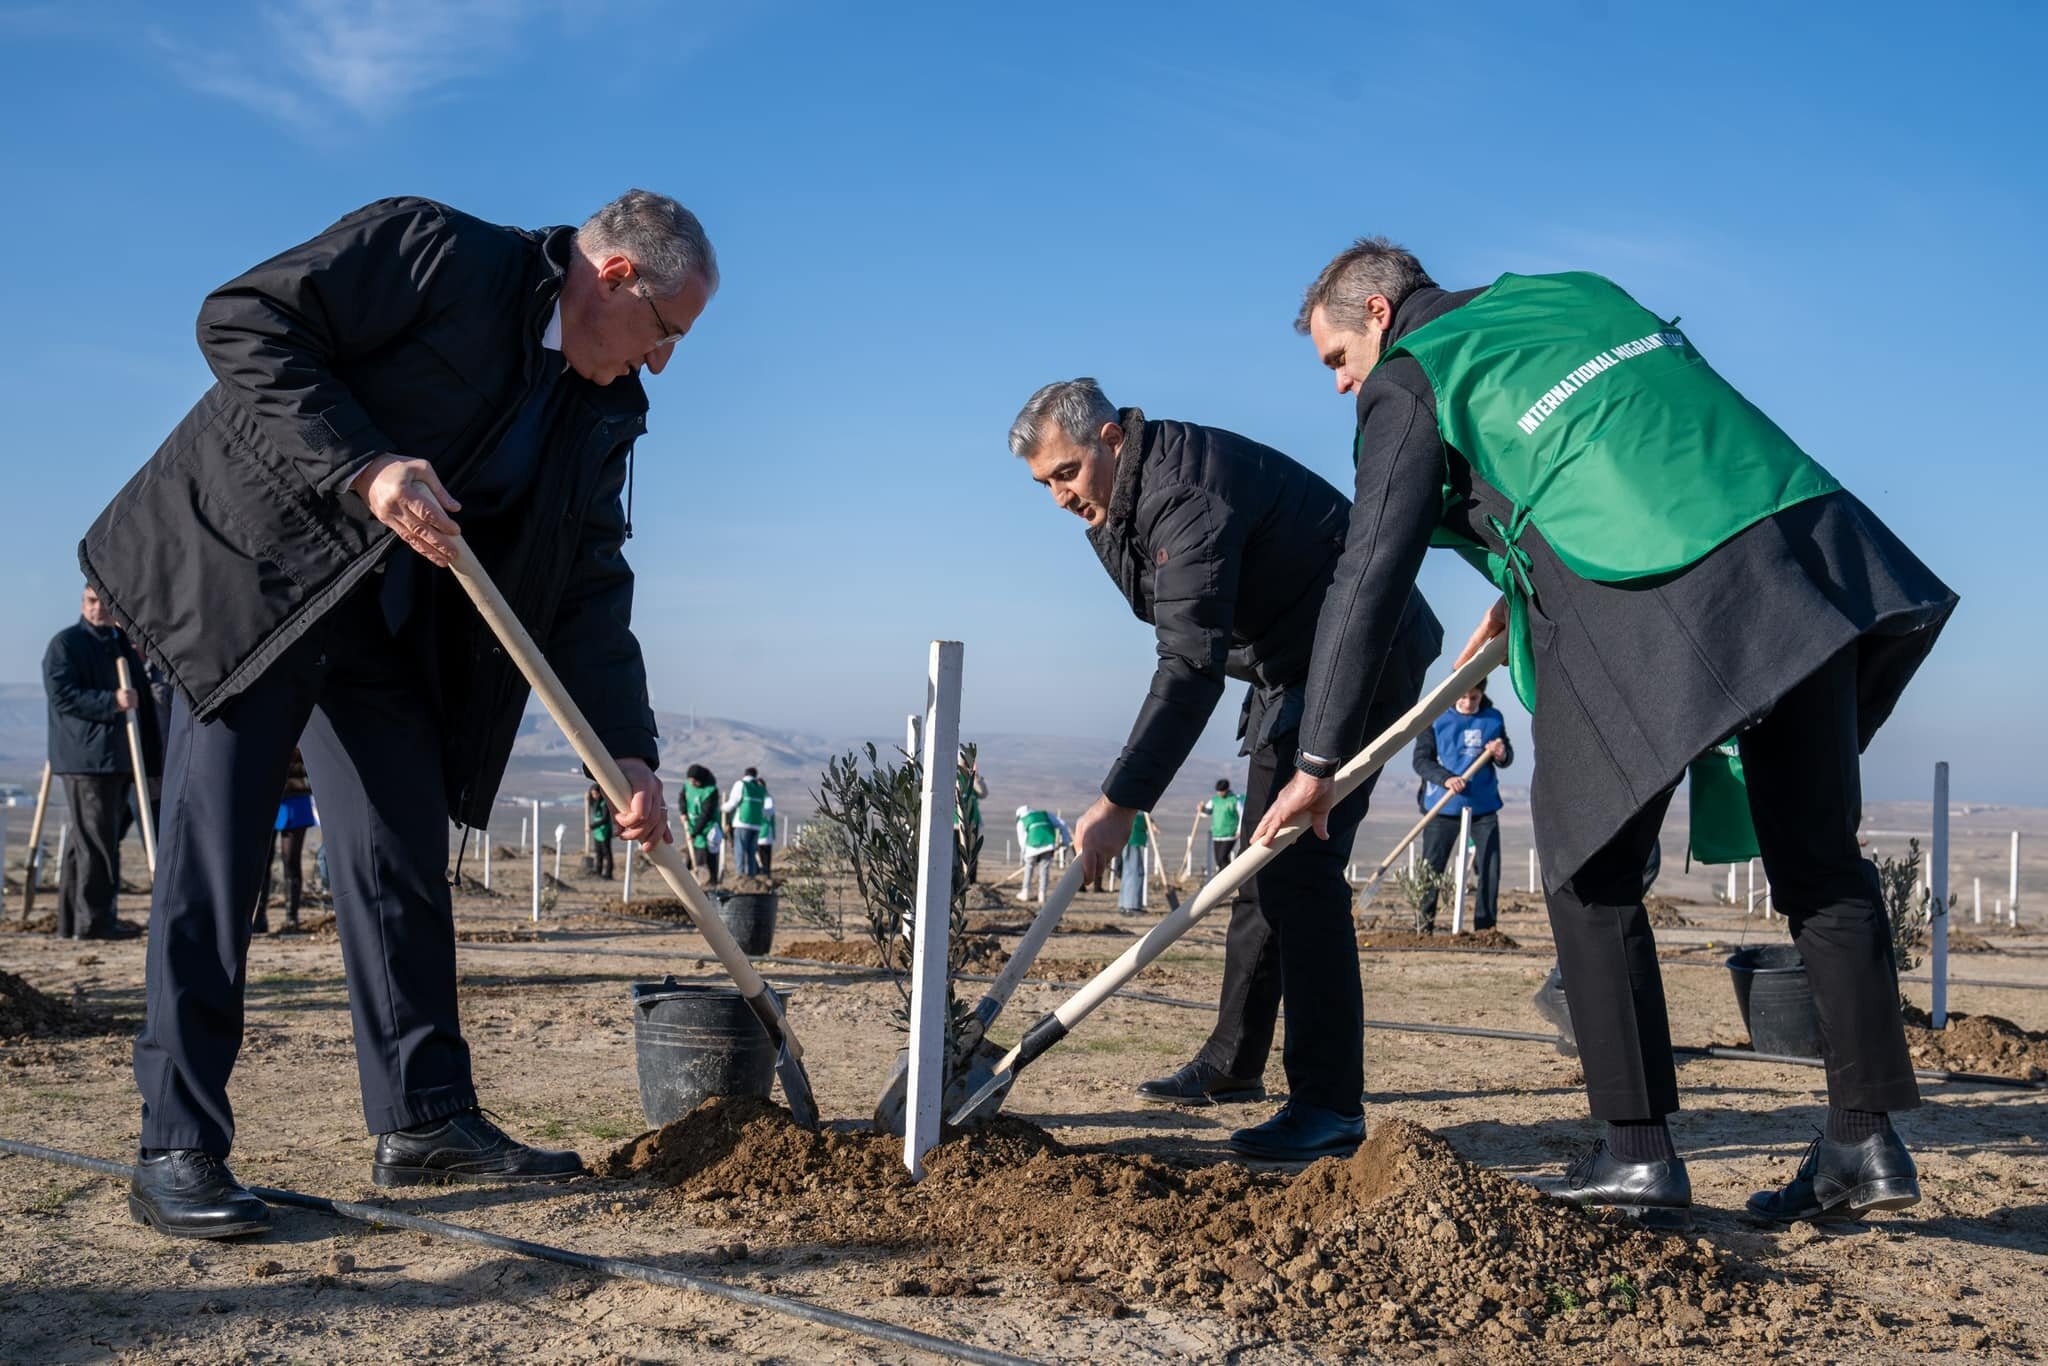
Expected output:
(1853, 1126)
(1640, 1140)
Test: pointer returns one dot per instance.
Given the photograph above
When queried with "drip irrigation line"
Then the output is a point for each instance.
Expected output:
(377, 1216)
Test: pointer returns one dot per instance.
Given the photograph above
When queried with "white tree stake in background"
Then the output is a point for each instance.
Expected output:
(536, 862)
(927, 1083)
(560, 830)
(487, 858)
(1458, 896)
(1937, 891)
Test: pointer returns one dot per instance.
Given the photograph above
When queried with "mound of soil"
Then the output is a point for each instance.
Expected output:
(517, 934)
(1663, 915)
(471, 886)
(984, 953)
(1959, 941)
(752, 886)
(661, 909)
(37, 924)
(26, 1013)
(1403, 1242)
(1018, 924)
(1374, 937)
(1977, 1043)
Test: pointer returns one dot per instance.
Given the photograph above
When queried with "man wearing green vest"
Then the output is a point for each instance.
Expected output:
(967, 812)
(1675, 571)
(1039, 836)
(745, 806)
(598, 812)
(1224, 810)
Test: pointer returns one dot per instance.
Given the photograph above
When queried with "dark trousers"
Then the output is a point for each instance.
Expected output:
(372, 749)
(601, 856)
(764, 854)
(1222, 851)
(91, 874)
(707, 865)
(287, 856)
(1806, 797)
(1439, 840)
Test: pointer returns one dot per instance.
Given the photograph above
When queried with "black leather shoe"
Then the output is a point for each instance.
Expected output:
(1658, 1193)
(113, 929)
(1200, 1083)
(1550, 1004)
(190, 1194)
(465, 1147)
(1841, 1182)
(1301, 1133)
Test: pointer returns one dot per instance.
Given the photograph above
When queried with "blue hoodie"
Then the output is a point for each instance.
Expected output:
(1448, 748)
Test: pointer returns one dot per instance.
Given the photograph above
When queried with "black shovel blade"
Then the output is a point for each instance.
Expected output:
(796, 1088)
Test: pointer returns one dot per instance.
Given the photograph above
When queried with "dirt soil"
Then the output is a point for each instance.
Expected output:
(1978, 1043)
(1372, 936)
(26, 1013)
(1085, 1227)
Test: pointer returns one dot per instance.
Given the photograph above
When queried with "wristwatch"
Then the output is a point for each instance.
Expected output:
(1315, 765)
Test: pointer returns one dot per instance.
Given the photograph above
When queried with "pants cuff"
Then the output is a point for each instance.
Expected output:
(419, 1107)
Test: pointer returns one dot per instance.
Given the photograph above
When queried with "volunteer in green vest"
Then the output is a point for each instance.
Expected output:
(1675, 571)
(973, 787)
(764, 841)
(745, 805)
(700, 820)
(1039, 836)
(1224, 810)
(1135, 865)
(598, 811)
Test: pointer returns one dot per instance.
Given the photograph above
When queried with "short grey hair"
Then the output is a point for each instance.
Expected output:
(1369, 266)
(1075, 406)
(663, 240)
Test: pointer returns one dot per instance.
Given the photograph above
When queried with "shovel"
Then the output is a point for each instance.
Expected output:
(497, 614)
(974, 1058)
(1049, 1029)
(1373, 883)
(32, 866)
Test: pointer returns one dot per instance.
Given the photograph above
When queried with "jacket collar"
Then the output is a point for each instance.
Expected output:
(1130, 464)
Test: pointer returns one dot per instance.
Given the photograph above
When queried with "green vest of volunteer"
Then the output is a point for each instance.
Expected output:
(600, 812)
(753, 802)
(1225, 809)
(767, 835)
(1140, 836)
(1605, 429)
(970, 802)
(1039, 831)
(695, 799)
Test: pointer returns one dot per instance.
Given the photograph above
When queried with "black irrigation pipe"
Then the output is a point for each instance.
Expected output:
(377, 1216)
(1389, 1026)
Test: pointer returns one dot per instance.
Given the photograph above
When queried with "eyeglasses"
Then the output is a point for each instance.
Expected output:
(669, 335)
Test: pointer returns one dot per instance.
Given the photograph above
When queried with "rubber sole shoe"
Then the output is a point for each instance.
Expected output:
(247, 1228)
(1841, 1183)
(1200, 1084)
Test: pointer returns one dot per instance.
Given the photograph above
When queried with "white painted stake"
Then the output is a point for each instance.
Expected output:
(1006, 851)
(1411, 858)
(1532, 872)
(586, 827)
(536, 862)
(63, 835)
(1749, 902)
(910, 724)
(2012, 890)
(1976, 901)
(1937, 891)
(626, 893)
(1458, 892)
(927, 1082)
(560, 830)
(487, 858)
(1731, 884)
(522, 830)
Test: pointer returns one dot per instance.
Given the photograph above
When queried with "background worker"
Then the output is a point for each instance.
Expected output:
(764, 843)
(1136, 868)
(744, 807)
(701, 820)
(967, 812)
(1040, 835)
(88, 739)
(1225, 811)
(1676, 570)
(295, 817)
(1225, 548)
(597, 811)
(1473, 726)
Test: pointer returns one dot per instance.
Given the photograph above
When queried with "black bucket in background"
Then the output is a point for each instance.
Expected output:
(1776, 1000)
(692, 1041)
(751, 918)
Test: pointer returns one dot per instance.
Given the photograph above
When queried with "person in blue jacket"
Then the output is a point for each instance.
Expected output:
(1472, 727)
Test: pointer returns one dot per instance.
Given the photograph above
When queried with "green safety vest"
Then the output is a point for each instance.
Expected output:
(1605, 429)
(767, 835)
(753, 796)
(1140, 836)
(1224, 812)
(969, 802)
(695, 799)
(600, 818)
(1039, 831)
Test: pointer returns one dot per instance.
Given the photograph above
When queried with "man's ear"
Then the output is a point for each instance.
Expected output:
(1112, 435)
(1380, 311)
(615, 270)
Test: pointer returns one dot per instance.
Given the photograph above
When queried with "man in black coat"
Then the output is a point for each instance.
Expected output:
(1225, 547)
(277, 558)
(89, 751)
(1796, 634)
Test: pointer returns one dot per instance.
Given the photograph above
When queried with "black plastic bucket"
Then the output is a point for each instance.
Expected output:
(692, 1041)
(751, 918)
(1776, 1000)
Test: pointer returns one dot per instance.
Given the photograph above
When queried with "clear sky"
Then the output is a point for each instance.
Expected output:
(925, 211)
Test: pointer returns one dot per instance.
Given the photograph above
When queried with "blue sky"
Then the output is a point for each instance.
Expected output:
(924, 212)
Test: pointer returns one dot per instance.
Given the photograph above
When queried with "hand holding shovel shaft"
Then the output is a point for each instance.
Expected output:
(1051, 1028)
(498, 615)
